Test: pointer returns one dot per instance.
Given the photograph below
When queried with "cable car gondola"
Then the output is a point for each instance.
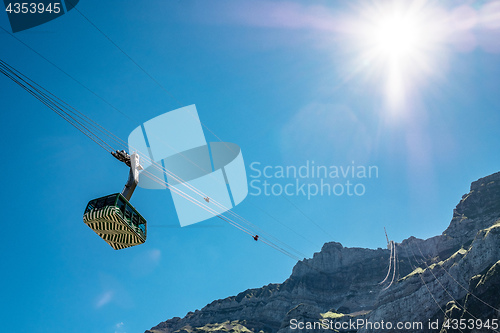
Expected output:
(112, 217)
(116, 221)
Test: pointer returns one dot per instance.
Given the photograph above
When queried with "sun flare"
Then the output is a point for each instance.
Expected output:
(398, 42)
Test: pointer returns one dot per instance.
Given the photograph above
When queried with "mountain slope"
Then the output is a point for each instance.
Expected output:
(342, 284)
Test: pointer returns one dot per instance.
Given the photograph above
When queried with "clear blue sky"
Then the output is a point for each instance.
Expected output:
(287, 81)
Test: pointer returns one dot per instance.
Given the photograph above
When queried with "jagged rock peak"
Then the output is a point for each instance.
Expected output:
(333, 256)
(476, 210)
(483, 198)
(485, 181)
(331, 246)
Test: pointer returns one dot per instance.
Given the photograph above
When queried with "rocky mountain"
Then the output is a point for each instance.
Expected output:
(452, 278)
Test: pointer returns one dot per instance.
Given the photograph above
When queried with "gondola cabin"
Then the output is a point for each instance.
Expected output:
(116, 221)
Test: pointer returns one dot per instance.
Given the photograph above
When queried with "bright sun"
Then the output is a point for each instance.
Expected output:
(397, 36)
(397, 40)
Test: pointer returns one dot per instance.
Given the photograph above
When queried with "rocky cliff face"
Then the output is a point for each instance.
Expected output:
(453, 275)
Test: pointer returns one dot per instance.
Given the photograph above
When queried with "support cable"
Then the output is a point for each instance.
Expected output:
(468, 292)
(425, 284)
